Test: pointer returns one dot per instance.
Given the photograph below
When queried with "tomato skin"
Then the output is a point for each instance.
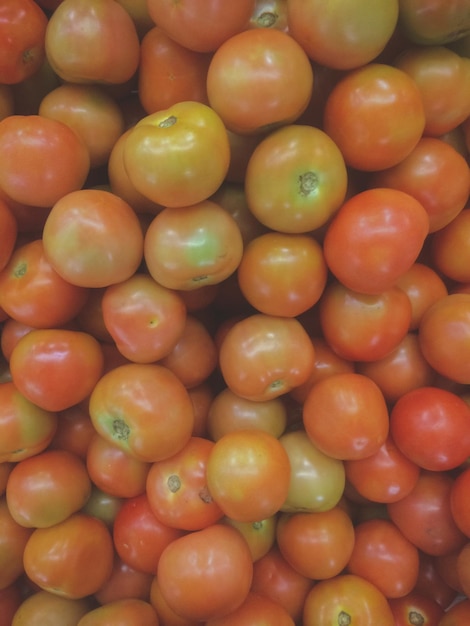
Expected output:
(434, 23)
(166, 163)
(412, 607)
(274, 80)
(127, 611)
(10, 600)
(9, 232)
(42, 605)
(216, 558)
(13, 538)
(73, 558)
(424, 286)
(254, 608)
(459, 501)
(296, 179)
(449, 248)
(41, 160)
(365, 112)
(22, 35)
(74, 365)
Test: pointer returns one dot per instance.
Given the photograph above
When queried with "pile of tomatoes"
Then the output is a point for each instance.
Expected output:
(234, 312)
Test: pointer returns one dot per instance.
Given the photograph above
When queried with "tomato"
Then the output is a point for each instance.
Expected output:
(10, 601)
(363, 327)
(191, 24)
(5, 470)
(228, 412)
(144, 318)
(423, 286)
(449, 105)
(275, 578)
(260, 535)
(144, 409)
(440, 420)
(74, 430)
(375, 115)
(458, 614)
(273, 80)
(431, 584)
(177, 488)
(269, 14)
(113, 470)
(317, 480)
(450, 248)
(215, 558)
(74, 365)
(73, 558)
(462, 567)
(22, 34)
(178, 156)
(346, 598)
(384, 557)
(363, 245)
(46, 488)
(79, 39)
(9, 232)
(459, 501)
(248, 474)
(346, 416)
(41, 159)
(340, 36)
(424, 515)
(33, 293)
(263, 357)
(26, 428)
(444, 334)
(415, 608)
(255, 607)
(296, 179)
(429, 22)
(93, 238)
(125, 582)
(421, 174)
(125, 612)
(385, 476)
(138, 10)
(190, 247)
(166, 614)
(318, 544)
(169, 72)
(59, 611)
(13, 538)
(87, 108)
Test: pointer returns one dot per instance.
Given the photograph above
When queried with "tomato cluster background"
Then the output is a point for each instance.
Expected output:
(234, 312)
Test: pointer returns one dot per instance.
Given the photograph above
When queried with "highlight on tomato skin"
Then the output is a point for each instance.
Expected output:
(234, 313)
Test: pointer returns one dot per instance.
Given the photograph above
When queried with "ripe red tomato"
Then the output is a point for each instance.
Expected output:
(450, 248)
(346, 416)
(423, 286)
(248, 474)
(216, 558)
(125, 582)
(363, 244)
(128, 611)
(13, 538)
(9, 232)
(255, 608)
(375, 115)
(415, 608)
(296, 179)
(41, 160)
(459, 503)
(273, 80)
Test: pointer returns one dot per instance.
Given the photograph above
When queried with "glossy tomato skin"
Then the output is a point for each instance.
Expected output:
(216, 558)
(166, 164)
(254, 608)
(364, 116)
(415, 606)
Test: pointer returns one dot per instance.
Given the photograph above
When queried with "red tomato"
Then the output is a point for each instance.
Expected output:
(434, 22)
(144, 409)
(178, 156)
(139, 537)
(34, 294)
(375, 115)
(346, 416)
(216, 558)
(74, 365)
(273, 80)
(383, 556)
(248, 474)
(415, 608)
(431, 584)
(436, 175)
(93, 238)
(346, 598)
(255, 608)
(79, 42)
(165, 613)
(177, 488)
(124, 612)
(22, 35)
(41, 160)
(364, 327)
(169, 72)
(363, 244)
(296, 179)
(339, 36)
(74, 430)
(458, 614)
(424, 516)
(13, 538)
(73, 558)
(318, 545)
(191, 24)
(451, 248)
(10, 600)
(459, 503)
(263, 357)
(260, 536)
(423, 286)
(125, 582)
(431, 426)
(46, 488)
(144, 318)
(9, 232)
